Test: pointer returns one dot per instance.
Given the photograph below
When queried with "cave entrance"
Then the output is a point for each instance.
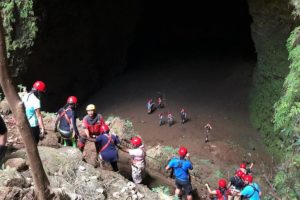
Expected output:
(197, 57)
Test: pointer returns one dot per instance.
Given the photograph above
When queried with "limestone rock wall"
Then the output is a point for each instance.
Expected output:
(272, 24)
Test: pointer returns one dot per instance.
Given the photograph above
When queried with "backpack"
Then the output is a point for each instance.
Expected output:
(254, 190)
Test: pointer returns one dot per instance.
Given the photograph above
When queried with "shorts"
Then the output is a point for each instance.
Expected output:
(3, 128)
(185, 185)
(36, 133)
(66, 134)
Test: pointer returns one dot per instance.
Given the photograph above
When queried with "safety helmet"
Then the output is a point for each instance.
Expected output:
(104, 128)
(222, 183)
(136, 141)
(90, 107)
(39, 86)
(243, 176)
(243, 165)
(182, 151)
(248, 178)
(72, 100)
(239, 173)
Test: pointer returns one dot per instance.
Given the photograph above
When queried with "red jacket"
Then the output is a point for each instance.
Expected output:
(93, 124)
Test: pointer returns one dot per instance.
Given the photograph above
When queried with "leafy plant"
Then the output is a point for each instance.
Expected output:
(162, 188)
(20, 27)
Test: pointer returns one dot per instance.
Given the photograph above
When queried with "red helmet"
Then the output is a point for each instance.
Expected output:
(39, 86)
(248, 178)
(72, 99)
(222, 183)
(243, 176)
(243, 165)
(182, 151)
(104, 128)
(239, 173)
(136, 141)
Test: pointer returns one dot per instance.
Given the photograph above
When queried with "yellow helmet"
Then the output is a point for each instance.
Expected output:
(90, 107)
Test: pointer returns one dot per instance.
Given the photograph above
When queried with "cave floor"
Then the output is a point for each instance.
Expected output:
(214, 91)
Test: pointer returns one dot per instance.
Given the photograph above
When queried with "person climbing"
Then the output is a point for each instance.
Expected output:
(160, 103)
(150, 106)
(32, 105)
(183, 116)
(236, 184)
(107, 147)
(170, 119)
(161, 119)
(244, 169)
(251, 191)
(222, 192)
(91, 124)
(65, 123)
(181, 167)
(207, 128)
(137, 159)
(3, 140)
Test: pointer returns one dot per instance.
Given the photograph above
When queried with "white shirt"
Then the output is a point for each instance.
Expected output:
(31, 103)
(138, 156)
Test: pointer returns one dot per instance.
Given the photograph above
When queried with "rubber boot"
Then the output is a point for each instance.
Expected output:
(74, 143)
(65, 143)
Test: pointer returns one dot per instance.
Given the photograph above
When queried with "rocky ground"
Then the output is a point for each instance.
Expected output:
(72, 178)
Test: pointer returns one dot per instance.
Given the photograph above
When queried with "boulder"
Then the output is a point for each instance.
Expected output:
(18, 163)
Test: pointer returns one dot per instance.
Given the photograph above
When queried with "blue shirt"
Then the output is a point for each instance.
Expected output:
(63, 122)
(181, 168)
(31, 103)
(251, 191)
(110, 153)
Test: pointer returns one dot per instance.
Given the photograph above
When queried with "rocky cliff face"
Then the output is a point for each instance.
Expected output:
(272, 24)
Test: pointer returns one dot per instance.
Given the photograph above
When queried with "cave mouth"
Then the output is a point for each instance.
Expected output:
(189, 30)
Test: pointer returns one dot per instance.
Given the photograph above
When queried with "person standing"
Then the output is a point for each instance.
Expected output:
(107, 147)
(183, 116)
(207, 128)
(137, 159)
(181, 167)
(161, 119)
(170, 119)
(3, 139)
(150, 106)
(251, 191)
(222, 192)
(32, 105)
(236, 184)
(65, 123)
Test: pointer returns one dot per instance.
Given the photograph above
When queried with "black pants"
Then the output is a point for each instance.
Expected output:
(2, 153)
(36, 133)
(114, 165)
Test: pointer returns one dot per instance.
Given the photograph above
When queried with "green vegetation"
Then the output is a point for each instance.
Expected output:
(287, 125)
(20, 31)
(163, 189)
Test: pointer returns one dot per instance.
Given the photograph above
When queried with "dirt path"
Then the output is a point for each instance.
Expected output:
(210, 91)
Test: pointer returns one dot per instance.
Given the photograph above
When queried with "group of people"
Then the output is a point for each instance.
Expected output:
(151, 106)
(240, 185)
(94, 129)
(107, 144)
